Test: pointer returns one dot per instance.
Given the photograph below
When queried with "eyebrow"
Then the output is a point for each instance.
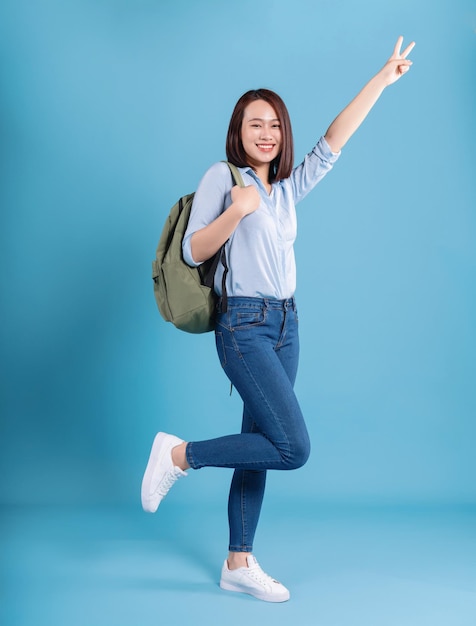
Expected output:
(263, 119)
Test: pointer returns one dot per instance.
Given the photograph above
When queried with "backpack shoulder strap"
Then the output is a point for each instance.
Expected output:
(235, 174)
(238, 180)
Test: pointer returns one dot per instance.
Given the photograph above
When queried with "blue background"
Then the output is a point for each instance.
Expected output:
(110, 110)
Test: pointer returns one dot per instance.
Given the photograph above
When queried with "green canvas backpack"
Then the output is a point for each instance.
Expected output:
(184, 294)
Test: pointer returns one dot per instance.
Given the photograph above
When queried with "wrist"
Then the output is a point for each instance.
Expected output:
(380, 80)
(238, 210)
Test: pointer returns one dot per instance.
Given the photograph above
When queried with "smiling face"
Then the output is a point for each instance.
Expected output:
(261, 134)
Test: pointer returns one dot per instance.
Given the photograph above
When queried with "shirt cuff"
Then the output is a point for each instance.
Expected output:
(187, 251)
(325, 151)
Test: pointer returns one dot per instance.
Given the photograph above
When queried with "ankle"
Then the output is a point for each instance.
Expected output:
(237, 560)
(179, 457)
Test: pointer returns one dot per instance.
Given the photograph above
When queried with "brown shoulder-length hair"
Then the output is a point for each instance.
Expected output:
(282, 165)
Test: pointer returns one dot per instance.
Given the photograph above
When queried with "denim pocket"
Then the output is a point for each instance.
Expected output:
(244, 317)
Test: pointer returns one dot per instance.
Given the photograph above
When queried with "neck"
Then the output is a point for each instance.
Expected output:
(263, 174)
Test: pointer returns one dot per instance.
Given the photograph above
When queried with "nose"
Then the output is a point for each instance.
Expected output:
(265, 132)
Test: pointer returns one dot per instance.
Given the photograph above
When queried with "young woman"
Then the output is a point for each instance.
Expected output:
(257, 336)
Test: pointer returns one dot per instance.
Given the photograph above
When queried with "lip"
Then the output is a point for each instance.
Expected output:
(265, 147)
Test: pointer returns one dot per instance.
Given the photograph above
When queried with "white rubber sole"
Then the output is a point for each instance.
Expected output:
(264, 597)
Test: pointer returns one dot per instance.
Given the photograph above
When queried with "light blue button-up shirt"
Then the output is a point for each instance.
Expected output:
(260, 252)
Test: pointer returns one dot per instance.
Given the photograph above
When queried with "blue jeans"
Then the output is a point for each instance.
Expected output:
(258, 346)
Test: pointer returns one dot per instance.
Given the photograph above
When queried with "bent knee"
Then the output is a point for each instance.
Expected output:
(299, 455)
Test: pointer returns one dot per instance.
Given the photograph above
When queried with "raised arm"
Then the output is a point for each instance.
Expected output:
(347, 122)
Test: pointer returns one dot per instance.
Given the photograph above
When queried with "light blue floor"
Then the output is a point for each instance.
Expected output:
(344, 566)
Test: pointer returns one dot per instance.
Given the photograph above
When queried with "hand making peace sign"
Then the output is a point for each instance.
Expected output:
(398, 64)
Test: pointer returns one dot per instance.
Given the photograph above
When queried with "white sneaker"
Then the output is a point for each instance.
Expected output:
(160, 473)
(254, 581)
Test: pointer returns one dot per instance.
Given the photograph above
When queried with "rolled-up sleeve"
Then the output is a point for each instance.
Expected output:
(208, 203)
(187, 251)
(314, 167)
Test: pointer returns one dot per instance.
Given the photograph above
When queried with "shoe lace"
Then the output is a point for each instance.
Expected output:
(167, 482)
(261, 577)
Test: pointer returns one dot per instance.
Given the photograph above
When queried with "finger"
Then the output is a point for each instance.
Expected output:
(408, 49)
(404, 66)
(398, 46)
